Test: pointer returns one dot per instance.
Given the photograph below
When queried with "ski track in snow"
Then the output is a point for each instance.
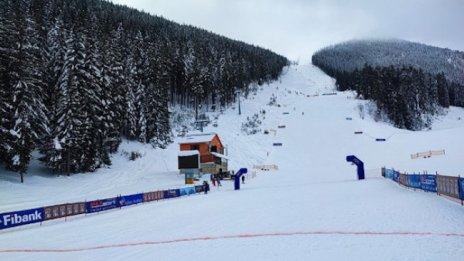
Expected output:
(209, 238)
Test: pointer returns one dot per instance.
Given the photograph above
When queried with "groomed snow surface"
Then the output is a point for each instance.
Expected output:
(312, 208)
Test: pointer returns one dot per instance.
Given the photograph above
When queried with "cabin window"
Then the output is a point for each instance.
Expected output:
(213, 148)
(195, 147)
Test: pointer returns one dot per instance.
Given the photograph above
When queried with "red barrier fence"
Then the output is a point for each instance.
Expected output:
(403, 179)
(448, 186)
(64, 210)
(151, 196)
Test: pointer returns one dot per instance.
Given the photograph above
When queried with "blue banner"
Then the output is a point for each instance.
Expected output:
(392, 174)
(199, 188)
(428, 183)
(172, 193)
(388, 173)
(396, 176)
(461, 188)
(130, 200)
(187, 191)
(102, 204)
(20, 218)
(414, 181)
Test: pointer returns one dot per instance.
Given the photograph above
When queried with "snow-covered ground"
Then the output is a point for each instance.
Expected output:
(312, 208)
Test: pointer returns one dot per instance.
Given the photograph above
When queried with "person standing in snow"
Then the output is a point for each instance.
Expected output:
(219, 177)
(213, 180)
(205, 187)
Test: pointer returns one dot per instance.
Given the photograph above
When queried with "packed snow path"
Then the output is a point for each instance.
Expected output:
(312, 208)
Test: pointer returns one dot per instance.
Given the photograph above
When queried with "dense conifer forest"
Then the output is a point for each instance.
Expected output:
(76, 76)
(409, 82)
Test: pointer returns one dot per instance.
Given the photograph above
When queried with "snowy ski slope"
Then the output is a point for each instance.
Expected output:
(312, 208)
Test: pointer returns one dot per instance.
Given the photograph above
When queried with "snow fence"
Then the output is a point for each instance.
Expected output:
(36, 215)
(449, 186)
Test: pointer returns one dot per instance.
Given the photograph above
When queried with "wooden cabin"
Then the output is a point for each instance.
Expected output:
(211, 150)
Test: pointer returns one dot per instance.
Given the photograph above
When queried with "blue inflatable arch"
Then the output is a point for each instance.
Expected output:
(358, 163)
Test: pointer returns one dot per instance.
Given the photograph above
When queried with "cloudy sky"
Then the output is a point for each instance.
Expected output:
(297, 28)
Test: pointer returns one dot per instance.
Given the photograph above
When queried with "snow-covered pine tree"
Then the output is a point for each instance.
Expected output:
(7, 34)
(29, 113)
(442, 88)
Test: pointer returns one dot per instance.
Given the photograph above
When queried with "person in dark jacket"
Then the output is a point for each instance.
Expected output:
(219, 177)
(205, 187)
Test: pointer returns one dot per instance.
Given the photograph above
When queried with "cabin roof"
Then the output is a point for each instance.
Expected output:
(197, 138)
(184, 153)
(220, 155)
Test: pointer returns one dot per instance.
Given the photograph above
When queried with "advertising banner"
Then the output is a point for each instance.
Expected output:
(102, 204)
(20, 218)
(392, 174)
(428, 183)
(461, 188)
(187, 191)
(172, 193)
(199, 188)
(389, 173)
(414, 181)
(130, 200)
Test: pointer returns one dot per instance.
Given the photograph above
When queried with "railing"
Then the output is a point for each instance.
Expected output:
(427, 154)
(266, 167)
(449, 186)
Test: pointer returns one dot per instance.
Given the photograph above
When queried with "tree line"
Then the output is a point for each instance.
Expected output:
(409, 95)
(78, 75)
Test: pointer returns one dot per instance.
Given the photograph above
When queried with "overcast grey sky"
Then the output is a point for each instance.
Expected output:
(297, 28)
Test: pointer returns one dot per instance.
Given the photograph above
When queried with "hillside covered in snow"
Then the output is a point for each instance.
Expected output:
(355, 54)
(410, 83)
(312, 207)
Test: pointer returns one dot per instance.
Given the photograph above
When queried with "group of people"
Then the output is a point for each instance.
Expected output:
(216, 179)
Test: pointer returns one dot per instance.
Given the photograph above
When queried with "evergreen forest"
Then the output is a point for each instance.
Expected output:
(77, 76)
(410, 83)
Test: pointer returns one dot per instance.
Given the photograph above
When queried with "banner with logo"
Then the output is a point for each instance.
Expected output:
(461, 188)
(187, 191)
(388, 173)
(428, 183)
(20, 218)
(396, 176)
(130, 200)
(102, 204)
(414, 181)
(172, 193)
(199, 188)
